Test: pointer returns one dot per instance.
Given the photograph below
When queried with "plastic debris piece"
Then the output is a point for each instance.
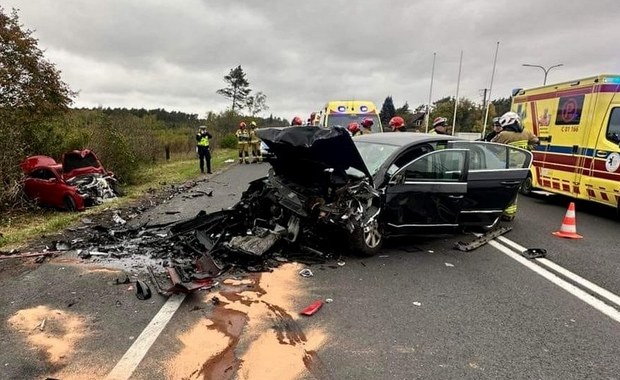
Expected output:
(341, 263)
(62, 245)
(306, 273)
(534, 253)
(229, 161)
(117, 219)
(312, 309)
(41, 325)
(431, 251)
(143, 292)
(449, 265)
(329, 300)
(416, 303)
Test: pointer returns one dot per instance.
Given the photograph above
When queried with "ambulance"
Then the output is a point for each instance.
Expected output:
(578, 123)
(343, 112)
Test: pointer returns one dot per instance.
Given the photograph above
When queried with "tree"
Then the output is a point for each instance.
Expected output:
(27, 80)
(238, 88)
(388, 110)
(256, 103)
(502, 105)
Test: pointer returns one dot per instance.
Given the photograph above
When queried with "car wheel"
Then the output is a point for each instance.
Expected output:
(526, 186)
(69, 203)
(367, 241)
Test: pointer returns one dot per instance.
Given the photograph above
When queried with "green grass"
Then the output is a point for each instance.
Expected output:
(18, 228)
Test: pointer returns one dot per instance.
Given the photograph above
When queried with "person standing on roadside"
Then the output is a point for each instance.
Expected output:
(497, 128)
(440, 126)
(243, 140)
(202, 146)
(255, 143)
(513, 134)
(397, 124)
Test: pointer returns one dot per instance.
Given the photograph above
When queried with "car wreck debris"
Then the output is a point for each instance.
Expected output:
(482, 239)
(312, 308)
(143, 292)
(534, 253)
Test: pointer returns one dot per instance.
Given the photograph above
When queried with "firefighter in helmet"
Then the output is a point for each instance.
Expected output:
(366, 124)
(497, 128)
(296, 121)
(398, 124)
(513, 134)
(440, 126)
(354, 128)
(243, 140)
(254, 143)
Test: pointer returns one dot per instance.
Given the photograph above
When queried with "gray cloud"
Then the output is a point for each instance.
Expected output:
(174, 55)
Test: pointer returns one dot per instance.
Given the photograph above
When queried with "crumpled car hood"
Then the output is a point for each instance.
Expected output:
(80, 162)
(308, 151)
(33, 162)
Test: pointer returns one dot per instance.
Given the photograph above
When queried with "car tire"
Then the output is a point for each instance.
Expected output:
(526, 186)
(69, 203)
(366, 242)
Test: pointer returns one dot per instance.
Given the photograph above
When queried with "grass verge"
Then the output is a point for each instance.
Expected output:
(18, 228)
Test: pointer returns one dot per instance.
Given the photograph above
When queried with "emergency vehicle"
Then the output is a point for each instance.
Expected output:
(578, 123)
(343, 112)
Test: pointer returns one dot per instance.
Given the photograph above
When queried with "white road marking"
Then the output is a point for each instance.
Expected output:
(568, 274)
(572, 289)
(134, 355)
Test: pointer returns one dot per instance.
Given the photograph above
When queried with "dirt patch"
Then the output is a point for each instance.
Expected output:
(258, 314)
(54, 331)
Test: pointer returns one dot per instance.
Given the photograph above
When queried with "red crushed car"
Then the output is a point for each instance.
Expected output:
(77, 182)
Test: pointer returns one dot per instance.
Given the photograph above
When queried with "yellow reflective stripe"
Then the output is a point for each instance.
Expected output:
(204, 141)
(519, 144)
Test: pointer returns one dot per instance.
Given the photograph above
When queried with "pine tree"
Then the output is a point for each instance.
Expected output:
(238, 88)
(388, 110)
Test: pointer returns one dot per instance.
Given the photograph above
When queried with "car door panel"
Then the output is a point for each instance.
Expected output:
(426, 193)
(496, 172)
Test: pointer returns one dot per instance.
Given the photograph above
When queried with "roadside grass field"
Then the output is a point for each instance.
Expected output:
(20, 227)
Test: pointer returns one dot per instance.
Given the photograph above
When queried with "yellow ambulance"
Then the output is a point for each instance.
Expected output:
(578, 123)
(343, 112)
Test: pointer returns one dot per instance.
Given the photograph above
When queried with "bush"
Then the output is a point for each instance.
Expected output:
(229, 141)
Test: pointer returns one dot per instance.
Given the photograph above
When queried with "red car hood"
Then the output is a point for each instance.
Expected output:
(80, 162)
(33, 162)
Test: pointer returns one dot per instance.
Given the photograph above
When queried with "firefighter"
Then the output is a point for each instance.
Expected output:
(398, 124)
(440, 126)
(254, 143)
(296, 121)
(243, 139)
(366, 124)
(497, 128)
(202, 147)
(513, 134)
(354, 128)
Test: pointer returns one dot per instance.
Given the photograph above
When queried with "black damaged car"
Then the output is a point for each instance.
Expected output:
(324, 184)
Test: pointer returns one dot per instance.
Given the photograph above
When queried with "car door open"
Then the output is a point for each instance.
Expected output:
(427, 193)
(495, 174)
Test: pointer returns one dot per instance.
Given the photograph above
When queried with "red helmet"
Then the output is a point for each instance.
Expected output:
(242, 125)
(353, 127)
(440, 121)
(296, 121)
(397, 122)
(367, 122)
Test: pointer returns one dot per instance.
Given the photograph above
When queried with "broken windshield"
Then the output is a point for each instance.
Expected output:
(373, 154)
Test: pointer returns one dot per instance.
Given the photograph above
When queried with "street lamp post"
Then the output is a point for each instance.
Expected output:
(546, 71)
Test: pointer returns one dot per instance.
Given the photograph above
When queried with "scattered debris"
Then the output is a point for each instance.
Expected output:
(431, 251)
(416, 303)
(329, 300)
(306, 273)
(341, 263)
(481, 240)
(384, 256)
(28, 254)
(122, 279)
(143, 292)
(61, 245)
(534, 253)
(312, 309)
(449, 265)
(215, 301)
(41, 326)
(229, 161)
(117, 219)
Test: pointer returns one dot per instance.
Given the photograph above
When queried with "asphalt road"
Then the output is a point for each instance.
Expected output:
(419, 310)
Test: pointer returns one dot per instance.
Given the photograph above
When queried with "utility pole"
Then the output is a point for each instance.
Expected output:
(484, 101)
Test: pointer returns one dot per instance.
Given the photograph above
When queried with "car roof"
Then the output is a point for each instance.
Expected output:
(403, 138)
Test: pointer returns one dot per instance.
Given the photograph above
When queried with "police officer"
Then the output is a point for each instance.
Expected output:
(243, 140)
(398, 124)
(202, 145)
(440, 126)
(497, 128)
(254, 143)
(513, 134)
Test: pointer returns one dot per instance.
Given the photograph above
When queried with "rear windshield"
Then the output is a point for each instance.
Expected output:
(343, 120)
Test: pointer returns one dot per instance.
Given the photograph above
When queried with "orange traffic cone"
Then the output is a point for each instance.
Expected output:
(569, 224)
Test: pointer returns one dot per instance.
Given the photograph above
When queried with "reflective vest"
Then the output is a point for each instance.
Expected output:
(204, 140)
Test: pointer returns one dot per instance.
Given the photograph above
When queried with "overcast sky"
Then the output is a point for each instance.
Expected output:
(174, 54)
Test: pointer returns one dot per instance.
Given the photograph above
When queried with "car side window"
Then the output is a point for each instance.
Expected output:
(45, 174)
(492, 156)
(613, 127)
(443, 166)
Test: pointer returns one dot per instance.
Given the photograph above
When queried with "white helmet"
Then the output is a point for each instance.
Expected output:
(509, 118)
